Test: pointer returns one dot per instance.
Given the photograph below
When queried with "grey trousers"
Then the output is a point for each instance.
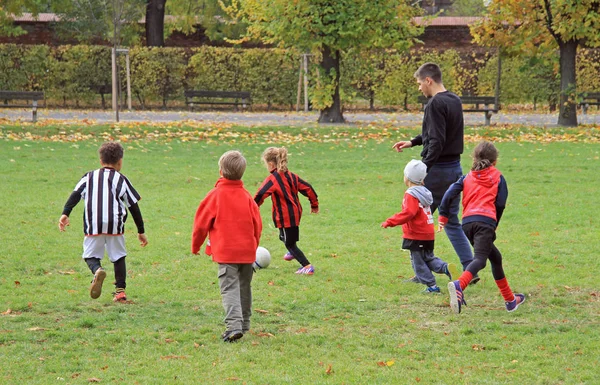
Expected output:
(236, 291)
(423, 263)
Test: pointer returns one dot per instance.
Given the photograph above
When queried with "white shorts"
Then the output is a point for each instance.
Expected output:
(95, 245)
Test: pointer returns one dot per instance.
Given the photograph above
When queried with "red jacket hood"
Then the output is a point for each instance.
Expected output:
(487, 177)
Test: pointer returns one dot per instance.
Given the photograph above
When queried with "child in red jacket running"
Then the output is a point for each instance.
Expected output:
(484, 198)
(418, 230)
(229, 215)
(283, 186)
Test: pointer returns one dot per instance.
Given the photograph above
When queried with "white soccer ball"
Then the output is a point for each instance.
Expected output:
(263, 258)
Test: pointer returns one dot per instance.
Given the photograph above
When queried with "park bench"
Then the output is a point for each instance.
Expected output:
(105, 89)
(15, 96)
(488, 104)
(193, 97)
(589, 99)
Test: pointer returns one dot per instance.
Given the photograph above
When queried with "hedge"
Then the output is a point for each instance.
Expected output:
(80, 76)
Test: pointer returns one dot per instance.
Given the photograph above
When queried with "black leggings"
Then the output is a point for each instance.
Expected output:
(120, 270)
(289, 236)
(482, 236)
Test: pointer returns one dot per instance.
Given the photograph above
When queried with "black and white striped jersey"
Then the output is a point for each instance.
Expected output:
(107, 195)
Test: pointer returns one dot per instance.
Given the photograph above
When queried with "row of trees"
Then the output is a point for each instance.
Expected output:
(330, 29)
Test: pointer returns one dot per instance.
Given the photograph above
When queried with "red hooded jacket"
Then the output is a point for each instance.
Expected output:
(484, 196)
(415, 217)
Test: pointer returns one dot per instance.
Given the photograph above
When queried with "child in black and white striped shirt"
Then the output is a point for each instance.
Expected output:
(107, 195)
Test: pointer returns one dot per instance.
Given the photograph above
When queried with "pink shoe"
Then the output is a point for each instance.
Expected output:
(288, 257)
(308, 270)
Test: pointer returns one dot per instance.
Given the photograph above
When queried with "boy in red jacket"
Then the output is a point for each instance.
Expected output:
(232, 219)
(418, 228)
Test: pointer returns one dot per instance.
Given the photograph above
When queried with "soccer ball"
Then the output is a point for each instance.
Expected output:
(263, 258)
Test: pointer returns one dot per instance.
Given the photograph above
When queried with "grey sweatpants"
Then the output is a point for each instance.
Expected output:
(423, 263)
(236, 291)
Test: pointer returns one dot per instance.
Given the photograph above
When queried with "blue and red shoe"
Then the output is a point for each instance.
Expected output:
(288, 257)
(514, 304)
(457, 298)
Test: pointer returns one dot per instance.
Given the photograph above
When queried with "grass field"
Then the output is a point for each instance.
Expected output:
(353, 322)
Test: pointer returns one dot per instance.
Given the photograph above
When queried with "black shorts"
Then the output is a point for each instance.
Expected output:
(289, 235)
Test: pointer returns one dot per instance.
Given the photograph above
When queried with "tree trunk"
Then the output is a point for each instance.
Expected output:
(155, 23)
(333, 113)
(568, 92)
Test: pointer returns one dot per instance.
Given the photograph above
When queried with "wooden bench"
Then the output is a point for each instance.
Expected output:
(589, 99)
(105, 89)
(489, 105)
(193, 97)
(30, 96)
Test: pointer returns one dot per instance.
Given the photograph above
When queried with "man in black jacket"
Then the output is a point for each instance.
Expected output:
(442, 140)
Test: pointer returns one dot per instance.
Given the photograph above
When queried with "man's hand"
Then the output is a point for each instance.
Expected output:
(143, 240)
(63, 222)
(399, 146)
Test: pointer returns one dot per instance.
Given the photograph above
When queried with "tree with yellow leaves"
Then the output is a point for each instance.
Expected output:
(539, 27)
(328, 29)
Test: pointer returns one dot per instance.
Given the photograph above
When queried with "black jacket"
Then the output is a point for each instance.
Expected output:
(443, 130)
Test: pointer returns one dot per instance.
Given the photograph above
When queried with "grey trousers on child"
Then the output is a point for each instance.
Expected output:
(235, 282)
(423, 263)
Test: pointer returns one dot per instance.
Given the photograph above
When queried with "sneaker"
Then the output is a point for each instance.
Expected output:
(452, 271)
(120, 296)
(514, 304)
(412, 280)
(232, 335)
(432, 290)
(456, 296)
(474, 280)
(96, 286)
(308, 270)
(288, 257)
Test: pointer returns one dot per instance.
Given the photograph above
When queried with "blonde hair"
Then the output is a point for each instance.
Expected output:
(278, 156)
(484, 156)
(232, 165)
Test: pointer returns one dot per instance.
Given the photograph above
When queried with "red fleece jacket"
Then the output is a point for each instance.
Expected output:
(231, 218)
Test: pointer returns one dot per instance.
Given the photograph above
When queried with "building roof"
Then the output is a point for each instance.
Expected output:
(441, 21)
(447, 21)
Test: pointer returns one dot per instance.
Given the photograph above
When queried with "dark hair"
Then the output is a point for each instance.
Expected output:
(232, 165)
(110, 153)
(484, 155)
(429, 70)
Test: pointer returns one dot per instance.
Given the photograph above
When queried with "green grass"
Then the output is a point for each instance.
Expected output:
(353, 322)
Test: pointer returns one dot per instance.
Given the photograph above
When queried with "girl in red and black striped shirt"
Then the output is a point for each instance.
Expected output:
(283, 186)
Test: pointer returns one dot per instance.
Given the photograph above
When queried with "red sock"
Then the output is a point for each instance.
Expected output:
(505, 290)
(464, 279)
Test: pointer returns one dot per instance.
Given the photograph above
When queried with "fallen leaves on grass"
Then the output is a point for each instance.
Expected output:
(329, 369)
(386, 363)
(219, 132)
(173, 357)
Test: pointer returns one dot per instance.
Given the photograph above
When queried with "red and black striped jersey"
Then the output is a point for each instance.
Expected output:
(283, 188)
